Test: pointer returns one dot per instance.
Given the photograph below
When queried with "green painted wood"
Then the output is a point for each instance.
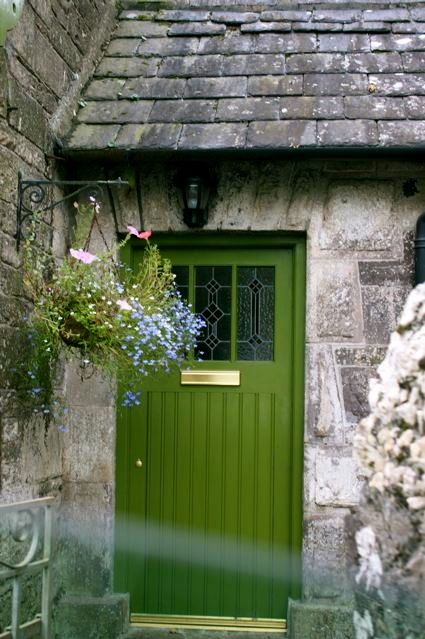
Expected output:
(211, 525)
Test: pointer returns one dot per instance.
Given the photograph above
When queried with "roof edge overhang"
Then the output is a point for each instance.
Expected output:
(113, 156)
(251, 5)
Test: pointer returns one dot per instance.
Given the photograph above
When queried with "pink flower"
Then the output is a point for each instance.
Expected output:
(83, 256)
(142, 235)
(124, 305)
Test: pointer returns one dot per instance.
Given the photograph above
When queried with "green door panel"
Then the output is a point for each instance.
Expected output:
(210, 525)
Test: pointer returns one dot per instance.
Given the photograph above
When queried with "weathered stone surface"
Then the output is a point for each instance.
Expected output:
(324, 406)
(91, 136)
(311, 108)
(286, 16)
(83, 617)
(344, 133)
(215, 136)
(296, 42)
(127, 67)
(402, 133)
(337, 479)
(163, 47)
(358, 216)
(206, 65)
(378, 313)
(272, 85)
(216, 87)
(158, 88)
(105, 89)
(305, 63)
(384, 273)
(336, 15)
(409, 42)
(123, 47)
(228, 44)
(248, 109)
(139, 29)
(335, 292)
(256, 64)
(110, 112)
(196, 28)
(344, 42)
(236, 17)
(183, 111)
(263, 27)
(355, 388)
(308, 619)
(374, 63)
(281, 134)
(370, 356)
(334, 84)
(182, 16)
(398, 83)
(374, 108)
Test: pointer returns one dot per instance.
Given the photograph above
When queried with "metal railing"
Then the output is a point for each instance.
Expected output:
(29, 523)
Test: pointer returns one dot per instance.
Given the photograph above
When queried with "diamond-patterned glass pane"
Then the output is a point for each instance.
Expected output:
(213, 302)
(256, 303)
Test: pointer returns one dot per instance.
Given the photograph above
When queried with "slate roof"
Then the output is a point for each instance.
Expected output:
(257, 77)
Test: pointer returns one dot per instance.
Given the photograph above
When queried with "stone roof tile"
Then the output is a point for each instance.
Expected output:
(209, 74)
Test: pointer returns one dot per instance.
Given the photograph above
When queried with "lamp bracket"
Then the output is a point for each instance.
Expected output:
(33, 196)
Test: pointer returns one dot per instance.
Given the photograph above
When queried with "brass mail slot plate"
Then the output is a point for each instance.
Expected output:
(210, 378)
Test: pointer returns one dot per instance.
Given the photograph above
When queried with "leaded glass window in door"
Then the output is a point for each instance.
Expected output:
(238, 306)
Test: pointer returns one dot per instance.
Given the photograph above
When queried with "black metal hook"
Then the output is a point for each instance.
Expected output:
(32, 195)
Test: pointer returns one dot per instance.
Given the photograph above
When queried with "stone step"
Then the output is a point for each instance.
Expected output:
(195, 633)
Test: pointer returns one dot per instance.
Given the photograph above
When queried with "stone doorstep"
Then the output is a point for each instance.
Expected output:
(86, 617)
(309, 620)
(191, 633)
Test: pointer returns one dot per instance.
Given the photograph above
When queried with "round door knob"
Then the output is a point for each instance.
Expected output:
(139, 463)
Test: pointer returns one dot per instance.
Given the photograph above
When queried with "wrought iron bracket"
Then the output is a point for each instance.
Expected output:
(33, 197)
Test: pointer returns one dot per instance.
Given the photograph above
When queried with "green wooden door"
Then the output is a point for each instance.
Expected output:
(209, 476)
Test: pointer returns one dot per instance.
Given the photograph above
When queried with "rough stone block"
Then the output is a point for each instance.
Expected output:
(234, 17)
(369, 27)
(311, 108)
(325, 574)
(402, 133)
(374, 108)
(183, 111)
(127, 67)
(264, 27)
(317, 27)
(358, 216)
(308, 619)
(370, 356)
(394, 42)
(374, 62)
(205, 65)
(196, 28)
(154, 88)
(228, 44)
(337, 480)
(387, 15)
(163, 47)
(399, 83)
(286, 16)
(123, 47)
(355, 388)
(107, 89)
(111, 112)
(243, 109)
(139, 29)
(336, 15)
(273, 85)
(296, 42)
(344, 133)
(318, 62)
(256, 64)
(324, 403)
(92, 136)
(216, 87)
(149, 136)
(344, 42)
(82, 617)
(182, 16)
(378, 313)
(413, 61)
(213, 136)
(285, 134)
(384, 273)
(336, 295)
(335, 84)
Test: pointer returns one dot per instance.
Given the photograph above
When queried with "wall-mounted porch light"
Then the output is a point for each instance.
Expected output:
(194, 184)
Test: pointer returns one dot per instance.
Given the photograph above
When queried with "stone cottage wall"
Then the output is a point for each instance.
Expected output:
(43, 65)
(359, 217)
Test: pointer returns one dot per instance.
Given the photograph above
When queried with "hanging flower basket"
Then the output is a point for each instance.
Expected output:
(127, 323)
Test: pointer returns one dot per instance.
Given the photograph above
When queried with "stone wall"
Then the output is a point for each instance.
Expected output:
(359, 217)
(46, 60)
